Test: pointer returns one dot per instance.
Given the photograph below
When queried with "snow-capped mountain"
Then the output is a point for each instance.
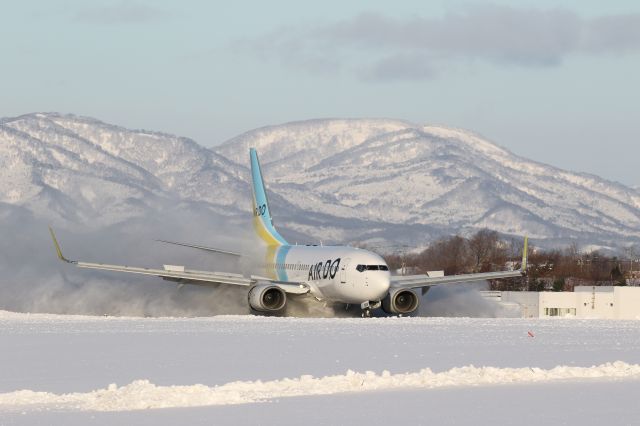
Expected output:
(330, 180)
(82, 171)
(392, 172)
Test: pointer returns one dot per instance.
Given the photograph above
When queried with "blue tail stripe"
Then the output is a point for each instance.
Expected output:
(261, 203)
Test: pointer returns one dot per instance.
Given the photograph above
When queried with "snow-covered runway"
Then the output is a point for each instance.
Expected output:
(60, 369)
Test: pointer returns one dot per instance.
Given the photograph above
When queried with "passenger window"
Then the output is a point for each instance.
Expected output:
(384, 268)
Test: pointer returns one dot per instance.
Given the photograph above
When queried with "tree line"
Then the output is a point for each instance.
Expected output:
(486, 251)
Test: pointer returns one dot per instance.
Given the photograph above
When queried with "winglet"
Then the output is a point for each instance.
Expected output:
(58, 250)
(525, 255)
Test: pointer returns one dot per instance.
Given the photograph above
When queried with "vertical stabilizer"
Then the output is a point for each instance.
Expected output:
(261, 213)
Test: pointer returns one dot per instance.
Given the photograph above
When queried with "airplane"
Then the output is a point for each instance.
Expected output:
(330, 274)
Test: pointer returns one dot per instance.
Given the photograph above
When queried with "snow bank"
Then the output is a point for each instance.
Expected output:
(141, 394)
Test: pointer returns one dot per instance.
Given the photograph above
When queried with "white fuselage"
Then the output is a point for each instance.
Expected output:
(334, 273)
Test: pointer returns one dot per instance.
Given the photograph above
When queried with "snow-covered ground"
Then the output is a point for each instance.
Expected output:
(258, 370)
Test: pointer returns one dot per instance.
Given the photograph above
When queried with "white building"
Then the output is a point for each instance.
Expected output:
(605, 302)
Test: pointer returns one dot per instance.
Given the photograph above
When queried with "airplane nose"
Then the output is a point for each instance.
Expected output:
(380, 286)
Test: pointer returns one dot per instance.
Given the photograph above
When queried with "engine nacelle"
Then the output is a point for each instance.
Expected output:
(267, 298)
(400, 301)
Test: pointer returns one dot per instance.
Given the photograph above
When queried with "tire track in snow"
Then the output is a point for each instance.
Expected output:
(141, 394)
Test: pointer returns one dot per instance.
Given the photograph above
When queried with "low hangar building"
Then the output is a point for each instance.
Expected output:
(602, 302)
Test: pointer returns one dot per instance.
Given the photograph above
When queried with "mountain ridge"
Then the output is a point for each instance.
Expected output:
(337, 180)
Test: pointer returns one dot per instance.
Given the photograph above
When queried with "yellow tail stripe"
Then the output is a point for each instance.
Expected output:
(264, 234)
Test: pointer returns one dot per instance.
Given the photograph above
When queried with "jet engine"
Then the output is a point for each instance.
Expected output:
(267, 298)
(400, 301)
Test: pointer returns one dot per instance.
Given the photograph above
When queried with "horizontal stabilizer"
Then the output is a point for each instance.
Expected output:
(209, 249)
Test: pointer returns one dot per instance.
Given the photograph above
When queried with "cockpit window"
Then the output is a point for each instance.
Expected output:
(362, 268)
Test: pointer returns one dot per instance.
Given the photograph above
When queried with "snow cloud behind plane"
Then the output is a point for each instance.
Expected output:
(34, 280)
(379, 47)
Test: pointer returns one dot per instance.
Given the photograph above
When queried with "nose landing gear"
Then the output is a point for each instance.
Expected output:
(367, 307)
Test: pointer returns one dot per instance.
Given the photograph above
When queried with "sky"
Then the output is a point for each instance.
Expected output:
(553, 81)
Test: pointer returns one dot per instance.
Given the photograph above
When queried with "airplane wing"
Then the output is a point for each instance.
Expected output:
(418, 281)
(422, 281)
(185, 276)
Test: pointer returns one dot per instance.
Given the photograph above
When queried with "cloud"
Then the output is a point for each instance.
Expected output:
(379, 47)
(402, 66)
(614, 33)
(124, 12)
